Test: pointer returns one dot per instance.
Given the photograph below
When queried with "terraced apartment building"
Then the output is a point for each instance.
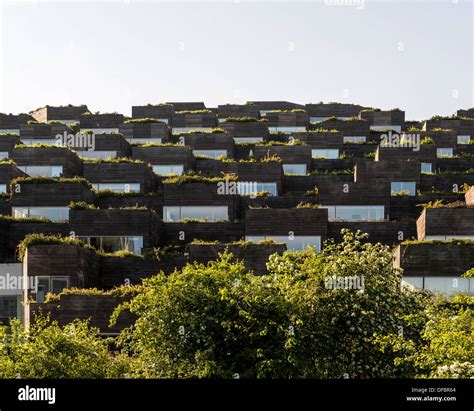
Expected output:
(179, 182)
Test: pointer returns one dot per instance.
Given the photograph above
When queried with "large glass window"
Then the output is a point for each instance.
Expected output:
(8, 308)
(208, 213)
(392, 127)
(118, 187)
(444, 152)
(464, 139)
(328, 153)
(295, 169)
(210, 153)
(97, 154)
(449, 237)
(287, 130)
(403, 188)
(355, 213)
(426, 167)
(254, 187)
(51, 213)
(42, 171)
(354, 139)
(108, 130)
(4, 154)
(45, 285)
(144, 140)
(447, 285)
(168, 169)
(295, 243)
(111, 244)
(3, 188)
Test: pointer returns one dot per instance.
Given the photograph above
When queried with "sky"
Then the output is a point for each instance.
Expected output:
(415, 55)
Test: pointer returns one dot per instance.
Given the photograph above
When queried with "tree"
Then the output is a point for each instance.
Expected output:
(318, 315)
(50, 351)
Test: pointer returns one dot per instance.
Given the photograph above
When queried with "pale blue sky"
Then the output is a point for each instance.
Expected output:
(416, 55)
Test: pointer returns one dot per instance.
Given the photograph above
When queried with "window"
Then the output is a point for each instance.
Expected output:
(10, 131)
(210, 153)
(449, 237)
(414, 282)
(298, 243)
(355, 213)
(403, 188)
(296, 169)
(4, 154)
(444, 152)
(248, 139)
(253, 187)
(45, 285)
(111, 244)
(464, 139)
(45, 140)
(51, 213)
(42, 171)
(354, 139)
(317, 119)
(168, 169)
(325, 153)
(386, 127)
(144, 140)
(97, 154)
(118, 187)
(3, 188)
(447, 285)
(426, 167)
(8, 308)
(287, 130)
(107, 130)
(208, 213)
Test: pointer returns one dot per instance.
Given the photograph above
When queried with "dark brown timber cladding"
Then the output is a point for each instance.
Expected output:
(96, 307)
(77, 263)
(145, 130)
(445, 221)
(184, 233)
(116, 222)
(51, 194)
(49, 156)
(246, 129)
(300, 221)
(165, 155)
(434, 259)
(254, 256)
(203, 194)
(122, 173)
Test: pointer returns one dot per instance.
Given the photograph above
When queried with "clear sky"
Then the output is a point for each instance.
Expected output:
(110, 55)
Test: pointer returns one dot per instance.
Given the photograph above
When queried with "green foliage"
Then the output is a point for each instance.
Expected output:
(198, 178)
(37, 239)
(212, 131)
(217, 320)
(205, 111)
(50, 180)
(307, 205)
(81, 205)
(142, 121)
(427, 140)
(50, 351)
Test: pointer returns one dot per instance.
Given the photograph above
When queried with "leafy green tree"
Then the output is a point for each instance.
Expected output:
(50, 351)
(217, 320)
